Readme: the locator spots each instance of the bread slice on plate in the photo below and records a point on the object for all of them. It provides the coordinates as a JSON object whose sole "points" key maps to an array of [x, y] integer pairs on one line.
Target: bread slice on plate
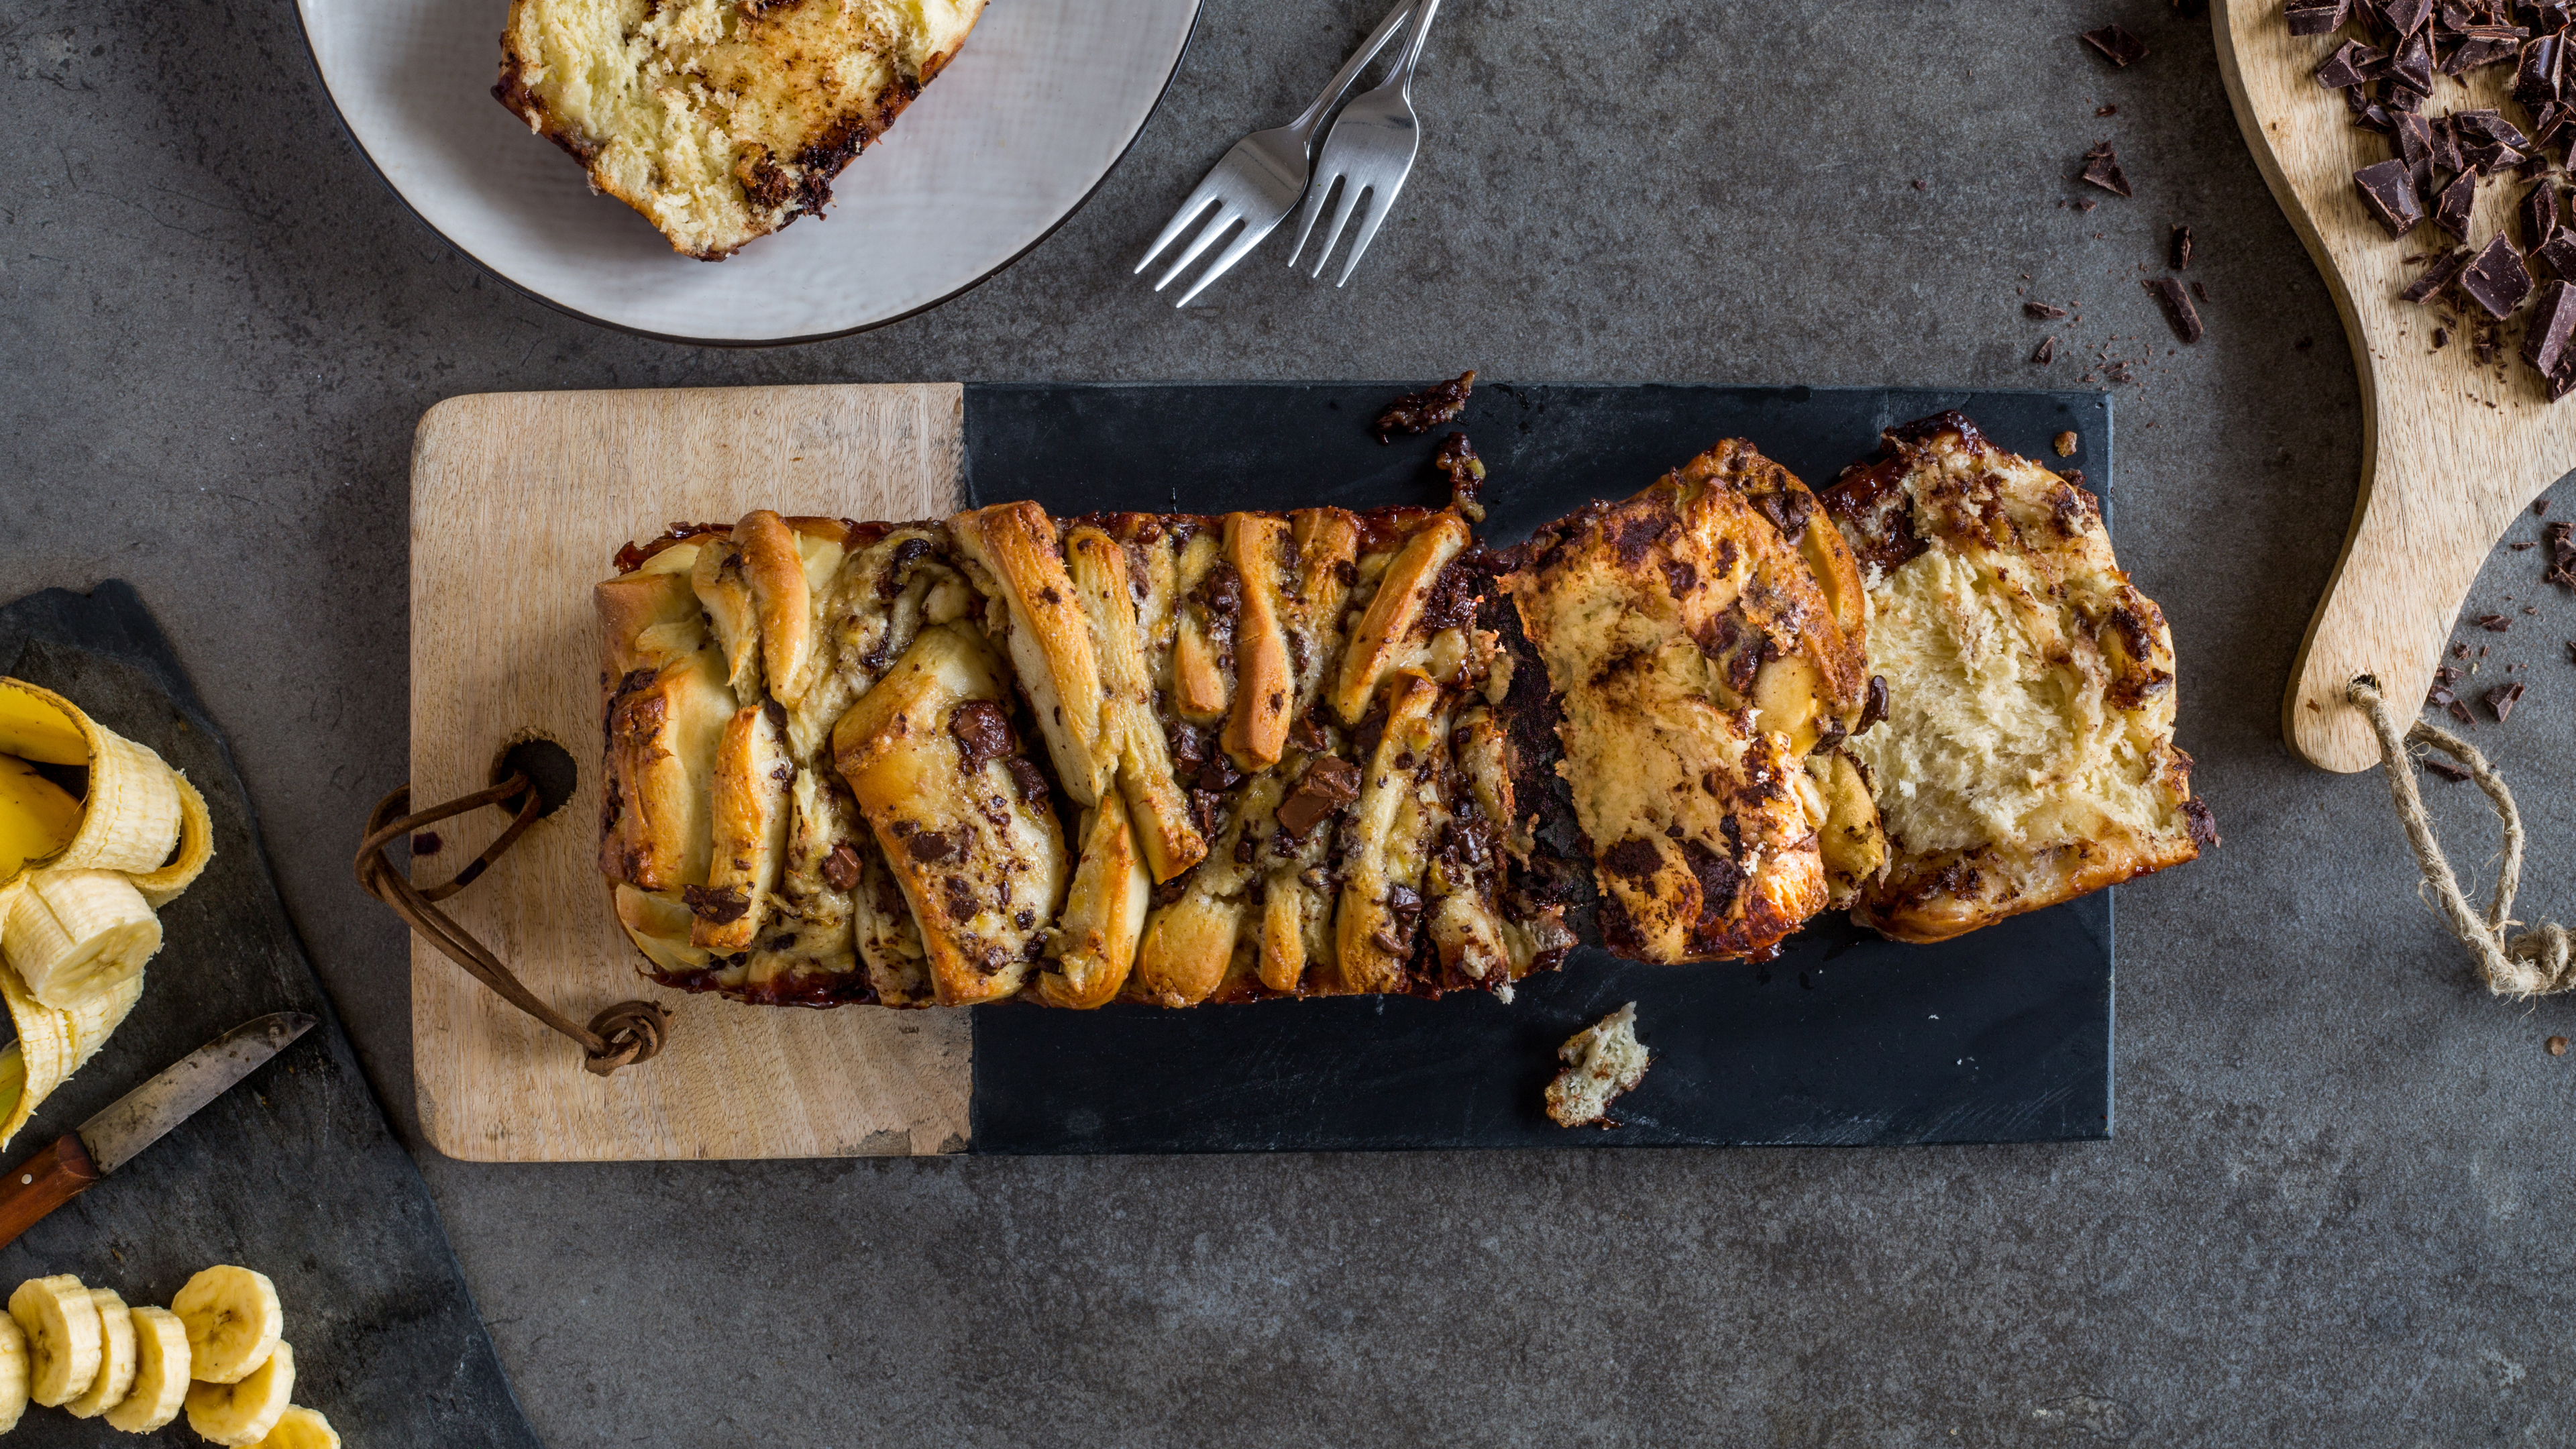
{"points": [[721, 120], [1699, 662], [2027, 755]]}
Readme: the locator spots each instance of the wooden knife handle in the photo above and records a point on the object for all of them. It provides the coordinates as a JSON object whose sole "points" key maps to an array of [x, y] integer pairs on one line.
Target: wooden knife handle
{"points": [[43, 1183]]}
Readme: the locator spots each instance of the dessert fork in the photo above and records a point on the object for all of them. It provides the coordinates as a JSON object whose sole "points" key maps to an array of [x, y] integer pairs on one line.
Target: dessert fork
{"points": [[1259, 181], [1369, 153]]}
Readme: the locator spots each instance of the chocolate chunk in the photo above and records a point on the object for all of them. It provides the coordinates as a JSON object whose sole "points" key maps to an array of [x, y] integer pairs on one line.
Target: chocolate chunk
{"points": [[2317, 17], [934, 846], [1634, 857], [2178, 244], [2553, 322], [2390, 194], [2046, 352], [983, 733], [2445, 768], [841, 868], [2438, 696], [2042, 310], [2494, 623], [2351, 64], [2446, 146], [1417, 413], [2459, 710], [2536, 82], [1873, 703], [2375, 117], [2102, 168], [1324, 786], [717, 906], [2398, 98], [2540, 216], [2451, 208], [2439, 275], [2497, 280], [2561, 383], [2441, 338], [2116, 44], [2415, 144], [2178, 308], [2489, 126], [1032, 785], [2413, 63], [2406, 16], [2501, 700]]}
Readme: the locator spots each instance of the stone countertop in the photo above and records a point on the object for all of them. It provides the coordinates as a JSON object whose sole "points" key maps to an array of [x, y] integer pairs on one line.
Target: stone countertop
{"points": [[2335, 1210]]}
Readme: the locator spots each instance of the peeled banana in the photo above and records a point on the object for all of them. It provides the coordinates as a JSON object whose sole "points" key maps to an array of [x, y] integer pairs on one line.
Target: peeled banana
{"points": [[301, 1428], [196, 847], [73, 935], [64, 1345], [53, 1044], [13, 1373], [233, 1319], [161, 1360], [116, 1357], [244, 1411]]}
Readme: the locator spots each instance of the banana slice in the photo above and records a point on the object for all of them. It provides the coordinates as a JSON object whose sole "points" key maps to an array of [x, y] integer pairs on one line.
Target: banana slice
{"points": [[161, 1359], [244, 1412], [116, 1357], [13, 1373], [233, 1321], [73, 935], [37, 817], [63, 1337], [196, 847], [130, 818], [52, 1044], [301, 1428]]}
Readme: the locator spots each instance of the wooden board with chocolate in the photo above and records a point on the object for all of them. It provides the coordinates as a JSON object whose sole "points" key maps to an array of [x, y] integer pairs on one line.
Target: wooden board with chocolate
{"points": [[1351, 723]]}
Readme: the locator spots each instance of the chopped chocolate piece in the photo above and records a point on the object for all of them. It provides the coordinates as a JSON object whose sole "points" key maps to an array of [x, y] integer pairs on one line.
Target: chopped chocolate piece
{"points": [[2539, 214], [2445, 768], [2356, 99], [2406, 16], [2446, 146], [983, 733], [2494, 623], [2459, 710], [2501, 700], [2390, 194], [2441, 338], [2413, 63], [2553, 322], [2116, 44], [2539, 506], [2490, 125], [1324, 786], [2101, 111], [2536, 81], [2317, 17], [2559, 255], [2415, 145], [1417, 413], [2102, 168], [2201, 292], [2351, 64], [2399, 98], [2451, 208], [2046, 352], [2497, 280], [841, 867], [2042, 310], [2439, 275], [2178, 247], [2561, 383], [2178, 309]]}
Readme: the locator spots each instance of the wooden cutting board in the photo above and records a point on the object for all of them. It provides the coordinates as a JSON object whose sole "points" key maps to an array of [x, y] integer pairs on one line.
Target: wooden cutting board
{"points": [[518, 502], [2451, 452]]}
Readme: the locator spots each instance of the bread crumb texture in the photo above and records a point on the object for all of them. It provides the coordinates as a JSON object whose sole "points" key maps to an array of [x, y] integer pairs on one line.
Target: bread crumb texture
{"points": [[1603, 1061], [721, 120], [2027, 756]]}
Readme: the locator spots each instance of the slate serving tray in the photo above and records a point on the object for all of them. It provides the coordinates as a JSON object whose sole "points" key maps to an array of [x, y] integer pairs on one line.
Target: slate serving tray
{"points": [[293, 1172], [1846, 1039]]}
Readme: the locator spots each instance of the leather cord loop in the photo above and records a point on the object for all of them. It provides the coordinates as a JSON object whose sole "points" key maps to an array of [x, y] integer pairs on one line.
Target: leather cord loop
{"points": [[623, 1035]]}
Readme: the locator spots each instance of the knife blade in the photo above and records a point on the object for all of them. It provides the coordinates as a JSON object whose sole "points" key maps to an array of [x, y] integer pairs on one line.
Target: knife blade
{"points": [[79, 1158]]}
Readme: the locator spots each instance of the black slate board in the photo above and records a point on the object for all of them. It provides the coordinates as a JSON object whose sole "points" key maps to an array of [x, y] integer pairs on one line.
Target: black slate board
{"points": [[1846, 1039], [293, 1172]]}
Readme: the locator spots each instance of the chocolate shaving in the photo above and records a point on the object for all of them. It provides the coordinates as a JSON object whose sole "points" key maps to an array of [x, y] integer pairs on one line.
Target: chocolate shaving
{"points": [[2178, 245], [2116, 44], [2178, 309], [2102, 168], [2042, 310], [2445, 769], [2494, 623], [2439, 275], [2046, 352]]}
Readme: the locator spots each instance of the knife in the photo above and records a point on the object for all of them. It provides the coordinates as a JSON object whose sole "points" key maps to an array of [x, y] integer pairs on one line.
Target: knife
{"points": [[108, 1141]]}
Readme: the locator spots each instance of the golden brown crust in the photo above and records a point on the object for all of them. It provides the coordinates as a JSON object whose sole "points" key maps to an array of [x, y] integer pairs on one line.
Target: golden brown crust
{"points": [[926, 755], [1012, 546], [1132, 738], [1378, 640], [2028, 756], [749, 836], [1391, 830], [1256, 732], [664, 709], [1092, 951]]}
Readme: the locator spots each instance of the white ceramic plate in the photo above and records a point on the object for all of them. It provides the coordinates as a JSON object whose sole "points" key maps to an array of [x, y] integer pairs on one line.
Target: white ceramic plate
{"points": [[999, 150]]}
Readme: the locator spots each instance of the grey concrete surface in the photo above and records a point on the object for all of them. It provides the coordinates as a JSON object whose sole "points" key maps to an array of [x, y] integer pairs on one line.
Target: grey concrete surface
{"points": [[2336, 1210]]}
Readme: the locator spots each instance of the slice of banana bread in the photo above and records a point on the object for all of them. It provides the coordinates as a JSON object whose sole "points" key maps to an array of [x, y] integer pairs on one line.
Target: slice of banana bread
{"points": [[721, 120], [2027, 757]]}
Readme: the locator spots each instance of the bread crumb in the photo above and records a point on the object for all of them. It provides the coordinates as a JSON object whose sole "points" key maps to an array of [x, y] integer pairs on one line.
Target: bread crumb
{"points": [[2066, 443], [1603, 1060]]}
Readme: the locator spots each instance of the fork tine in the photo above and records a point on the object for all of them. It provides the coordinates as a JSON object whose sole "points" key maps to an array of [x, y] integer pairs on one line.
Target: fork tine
{"points": [[1236, 250], [1215, 231], [1356, 200], [1317, 191], [1191, 210], [1380, 203]]}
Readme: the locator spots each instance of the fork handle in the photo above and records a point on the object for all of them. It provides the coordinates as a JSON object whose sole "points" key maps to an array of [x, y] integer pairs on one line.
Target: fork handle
{"points": [[1413, 43], [1312, 119]]}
